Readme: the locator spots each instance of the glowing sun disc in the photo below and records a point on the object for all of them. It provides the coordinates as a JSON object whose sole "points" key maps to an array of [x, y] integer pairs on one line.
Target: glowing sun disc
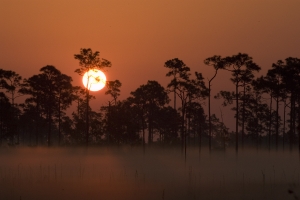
{"points": [[94, 80]]}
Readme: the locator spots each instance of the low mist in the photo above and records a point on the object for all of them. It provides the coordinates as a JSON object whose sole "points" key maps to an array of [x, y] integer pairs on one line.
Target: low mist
{"points": [[151, 173]]}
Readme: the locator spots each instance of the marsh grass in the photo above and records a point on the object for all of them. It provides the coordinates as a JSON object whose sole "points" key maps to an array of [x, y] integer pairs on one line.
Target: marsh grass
{"points": [[157, 173]]}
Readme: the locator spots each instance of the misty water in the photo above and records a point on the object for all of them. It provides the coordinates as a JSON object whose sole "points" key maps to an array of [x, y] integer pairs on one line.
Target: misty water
{"points": [[151, 173]]}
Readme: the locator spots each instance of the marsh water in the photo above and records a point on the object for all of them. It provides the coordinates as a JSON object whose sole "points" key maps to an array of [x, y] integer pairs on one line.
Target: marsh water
{"points": [[152, 173]]}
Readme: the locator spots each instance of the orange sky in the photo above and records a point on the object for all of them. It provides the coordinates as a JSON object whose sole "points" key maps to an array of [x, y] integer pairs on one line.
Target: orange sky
{"points": [[138, 36]]}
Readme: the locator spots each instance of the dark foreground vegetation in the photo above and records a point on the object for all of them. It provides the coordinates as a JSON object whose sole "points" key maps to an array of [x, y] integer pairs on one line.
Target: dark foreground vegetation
{"points": [[146, 117]]}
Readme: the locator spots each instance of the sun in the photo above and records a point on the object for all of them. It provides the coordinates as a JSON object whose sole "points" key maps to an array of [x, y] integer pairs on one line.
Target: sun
{"points": [[94, 80]]}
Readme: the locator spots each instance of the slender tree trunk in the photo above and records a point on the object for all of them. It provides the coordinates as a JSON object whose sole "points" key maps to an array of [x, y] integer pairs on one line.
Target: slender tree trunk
{"points": [[195, 131], [1, 121], [200, 138], [283, 133], [257, 125], [78, 109], [174, 98], [87, 117], [243, 117], [175, 127], [36, 131], [13, 118], [256, 134], [149, 132], [150, 125], [298, 123], [277, 121], [109, 123], [30, 142], [209, 119], [143, 127], [237, 117], [223, 131], [270, 121], [49, 128], [209, 114], [294, 120], [59, 121], [183, 136], [189, 126], [291, 121]]}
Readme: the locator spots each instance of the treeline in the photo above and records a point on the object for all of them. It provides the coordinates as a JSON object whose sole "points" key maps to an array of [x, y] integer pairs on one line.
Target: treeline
{"points": [[146, 116]]}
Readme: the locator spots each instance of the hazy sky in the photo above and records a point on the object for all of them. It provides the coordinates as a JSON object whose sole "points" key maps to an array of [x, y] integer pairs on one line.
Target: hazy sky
{"points": [[139, 36]]}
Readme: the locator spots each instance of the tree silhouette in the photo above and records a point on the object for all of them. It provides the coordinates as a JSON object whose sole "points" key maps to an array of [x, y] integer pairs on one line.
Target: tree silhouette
{"points": [[291, 82], [179, 73], [122, 123], [64, 98], [150, 98], [5, 117], [50, 92], [129, 119], [11, 82], [257, 112], [33, 104], [113, 89], [89, 60], [195, 113], [274, 85], [217, 63], [197, 91], [79, 117], [246, 80], [221, 134], [78, 94], [240, 66], [165, 124]]}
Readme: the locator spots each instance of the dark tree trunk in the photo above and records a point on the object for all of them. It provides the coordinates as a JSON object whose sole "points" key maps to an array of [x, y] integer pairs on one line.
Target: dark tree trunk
{"points": [[59, 120], [209, 119], [237, 118], [188, 131], [1, 121], [270, 121], [283, 133], [49, 129], [149, 133], [143, 127], [200, 138], [175, 127], [183, 135], [174, 99], [277, 121], [37, 124], [243, 117], [209, 113], [292, 111], [150, 124], [109, 123], [298, 123], [87, 117]]}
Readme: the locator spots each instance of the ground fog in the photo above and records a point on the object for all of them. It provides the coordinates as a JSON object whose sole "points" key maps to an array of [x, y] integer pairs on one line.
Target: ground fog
{"points": [[151, 173]]}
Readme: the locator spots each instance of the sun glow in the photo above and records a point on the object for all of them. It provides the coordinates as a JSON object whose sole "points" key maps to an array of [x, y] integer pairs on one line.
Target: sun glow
{"points": [[94, 80]]}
